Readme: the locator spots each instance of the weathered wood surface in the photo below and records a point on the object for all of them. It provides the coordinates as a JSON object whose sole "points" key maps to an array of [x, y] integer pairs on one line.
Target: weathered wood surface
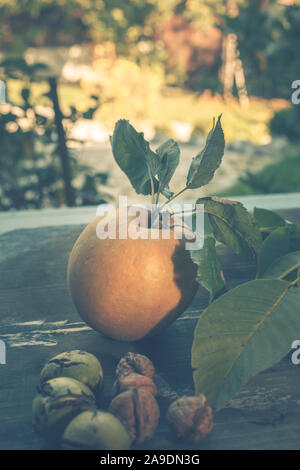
{"points": [[38, 320]]}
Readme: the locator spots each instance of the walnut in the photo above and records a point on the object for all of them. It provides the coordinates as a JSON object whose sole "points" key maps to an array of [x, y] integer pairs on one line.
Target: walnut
{"points": [[190, 418], [138, 412], [125, 382], [135, 363]]}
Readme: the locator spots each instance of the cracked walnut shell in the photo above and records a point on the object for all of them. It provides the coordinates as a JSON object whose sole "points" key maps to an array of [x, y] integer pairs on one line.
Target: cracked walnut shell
{"points": [[135, 363], [125, 382], [138, 412], [190, 418]]}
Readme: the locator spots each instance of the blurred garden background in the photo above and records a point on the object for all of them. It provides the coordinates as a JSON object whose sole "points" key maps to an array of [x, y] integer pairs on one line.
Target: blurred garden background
{"points": [[72, 68]]}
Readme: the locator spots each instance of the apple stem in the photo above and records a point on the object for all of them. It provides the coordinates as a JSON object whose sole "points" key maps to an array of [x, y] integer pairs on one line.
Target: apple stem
{"points": [[152, 185], [192, 211], [172, 198], [158, 210], [157, 195]]}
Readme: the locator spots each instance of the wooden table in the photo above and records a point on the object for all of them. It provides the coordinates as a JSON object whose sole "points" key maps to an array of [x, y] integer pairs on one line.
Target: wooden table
{"points": [[38, 321]]}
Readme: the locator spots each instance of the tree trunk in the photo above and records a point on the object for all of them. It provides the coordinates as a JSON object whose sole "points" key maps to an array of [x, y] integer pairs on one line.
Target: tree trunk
{"points": [[232, 69], [62, 146]]}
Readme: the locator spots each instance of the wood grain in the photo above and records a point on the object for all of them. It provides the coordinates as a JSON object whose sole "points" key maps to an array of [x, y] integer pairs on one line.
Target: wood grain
{"points": [[38, 320]]}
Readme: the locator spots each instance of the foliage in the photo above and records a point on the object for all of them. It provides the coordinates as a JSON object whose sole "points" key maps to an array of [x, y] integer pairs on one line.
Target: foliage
{"points": [[232, 225], [280, 242], [38, 22], [280, 177], [245, 331], [284, 266], [30, 170], [142, 165], [209, 272], [85, 20], [133, 155], [133, 29], [286, 122], [267, 35], [206, 162], [169, 155], [150, 101], [27, 177], [267, 220], [251, 327]]}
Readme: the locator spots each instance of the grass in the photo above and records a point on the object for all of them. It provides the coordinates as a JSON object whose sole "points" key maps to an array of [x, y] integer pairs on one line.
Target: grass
{"points": [[162, 108], [239, 123], [247, 123]]}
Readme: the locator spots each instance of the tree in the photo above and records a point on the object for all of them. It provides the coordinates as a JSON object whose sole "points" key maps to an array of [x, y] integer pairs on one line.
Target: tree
{"points": [[39, 23], [268, 35]]}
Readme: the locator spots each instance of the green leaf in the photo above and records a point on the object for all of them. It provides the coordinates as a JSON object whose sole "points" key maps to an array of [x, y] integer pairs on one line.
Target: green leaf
{"points": [[205, 164], [281, 241], [208, 231], [284, 266], [245, 331], [267, 220], [152, 159], [134, 156], [169, 154], [232, 225], [209, 274]]}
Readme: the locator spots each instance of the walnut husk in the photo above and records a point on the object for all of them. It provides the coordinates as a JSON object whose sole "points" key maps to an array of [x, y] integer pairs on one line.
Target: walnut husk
{"points": [[125, 382]]}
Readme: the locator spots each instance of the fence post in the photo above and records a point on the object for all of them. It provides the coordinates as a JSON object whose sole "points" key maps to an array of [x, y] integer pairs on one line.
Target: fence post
{"points": [[2, 352]]}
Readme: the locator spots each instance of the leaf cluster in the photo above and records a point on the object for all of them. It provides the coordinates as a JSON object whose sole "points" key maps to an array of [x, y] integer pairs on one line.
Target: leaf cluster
{"points": [[31, 176], [150, 172], [252, 326]]}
